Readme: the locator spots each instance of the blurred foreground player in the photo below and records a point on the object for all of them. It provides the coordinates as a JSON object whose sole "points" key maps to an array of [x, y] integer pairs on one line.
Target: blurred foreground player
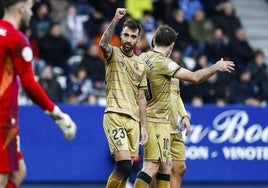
{"points": [[16, 68]]}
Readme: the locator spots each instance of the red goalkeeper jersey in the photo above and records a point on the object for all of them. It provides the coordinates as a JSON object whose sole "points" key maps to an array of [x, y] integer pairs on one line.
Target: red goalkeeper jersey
{"points": [[15, 68]]}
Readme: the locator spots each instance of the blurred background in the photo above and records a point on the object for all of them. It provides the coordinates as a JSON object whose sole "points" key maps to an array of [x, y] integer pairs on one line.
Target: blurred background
{"points": [[228, 144]]}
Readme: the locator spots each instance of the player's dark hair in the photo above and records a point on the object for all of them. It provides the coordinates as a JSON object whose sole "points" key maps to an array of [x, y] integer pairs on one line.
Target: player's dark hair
{"points": [[133, 25], [165, 35], [1, 10], [8, 3]]}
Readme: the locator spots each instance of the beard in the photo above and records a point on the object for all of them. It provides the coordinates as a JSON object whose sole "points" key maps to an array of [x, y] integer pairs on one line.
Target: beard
{"points": [[127, 47]]}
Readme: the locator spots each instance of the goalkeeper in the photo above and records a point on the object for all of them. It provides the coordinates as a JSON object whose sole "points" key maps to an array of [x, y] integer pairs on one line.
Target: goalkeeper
{"points": [[15, 69]]}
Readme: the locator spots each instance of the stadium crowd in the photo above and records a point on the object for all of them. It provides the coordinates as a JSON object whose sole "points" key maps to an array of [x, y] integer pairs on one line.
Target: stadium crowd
{"points": [[68, 63]]}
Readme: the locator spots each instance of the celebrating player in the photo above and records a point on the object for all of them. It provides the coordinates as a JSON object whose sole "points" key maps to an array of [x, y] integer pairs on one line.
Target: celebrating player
{"points": [[126, 103]]}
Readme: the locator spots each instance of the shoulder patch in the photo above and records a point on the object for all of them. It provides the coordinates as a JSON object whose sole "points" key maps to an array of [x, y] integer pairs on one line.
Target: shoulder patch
{"points": [[172, 66], [27, 54]]}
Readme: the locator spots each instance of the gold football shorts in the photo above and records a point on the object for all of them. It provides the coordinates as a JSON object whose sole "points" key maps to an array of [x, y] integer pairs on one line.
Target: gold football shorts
{"points": [[177, 147], [122, 132], [158, 146]]}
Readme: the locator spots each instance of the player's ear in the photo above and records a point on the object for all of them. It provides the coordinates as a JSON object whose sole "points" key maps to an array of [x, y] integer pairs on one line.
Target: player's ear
{"points": [[21, 8], [139, 38], [171, 46]]}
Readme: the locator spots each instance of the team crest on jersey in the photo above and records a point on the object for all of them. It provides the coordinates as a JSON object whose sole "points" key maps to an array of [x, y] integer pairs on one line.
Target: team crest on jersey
{"points": [[27, 54], [119, 143], [172, 66], [136, 66]]}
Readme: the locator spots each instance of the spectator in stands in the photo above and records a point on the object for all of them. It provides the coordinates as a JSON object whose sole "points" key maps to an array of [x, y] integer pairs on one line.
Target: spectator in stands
{"points": [[201, 62], [115, 39], [94, 65], [211, 92], [74, 29], [109, 7], [201, 31], [149, 25], [213, 8], [50, 84], [58, 10], [243, 90], [178, 22], [228, 21], [79, 85], [82, 6], [72, 99], [162, 9], [258, 69], [136, 8], [176, 56], [217, 47], [93, 25], [240, 50], [55, 49], [190, 7], [99, 90], [186, 87], [197, 91], [92, 99], [40, 21]]}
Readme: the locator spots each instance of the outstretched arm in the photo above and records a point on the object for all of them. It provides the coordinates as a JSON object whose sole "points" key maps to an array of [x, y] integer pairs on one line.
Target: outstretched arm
{"points": [[203, 74], [107, 35]]}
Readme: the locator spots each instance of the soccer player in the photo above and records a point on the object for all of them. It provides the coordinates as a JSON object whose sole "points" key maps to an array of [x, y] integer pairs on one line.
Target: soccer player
{"points": [[180, 121], [125, 113], [15, 69], [160, 71]]}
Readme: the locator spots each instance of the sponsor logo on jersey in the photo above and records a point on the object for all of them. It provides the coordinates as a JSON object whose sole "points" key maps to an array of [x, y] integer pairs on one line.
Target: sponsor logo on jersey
{"points": [[172, 66], [27, 54], [3, 32]]}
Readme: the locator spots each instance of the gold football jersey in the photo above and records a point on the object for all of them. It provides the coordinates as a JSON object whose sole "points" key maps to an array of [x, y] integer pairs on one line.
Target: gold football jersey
{"points": [[160, 69], [124, 76]]}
